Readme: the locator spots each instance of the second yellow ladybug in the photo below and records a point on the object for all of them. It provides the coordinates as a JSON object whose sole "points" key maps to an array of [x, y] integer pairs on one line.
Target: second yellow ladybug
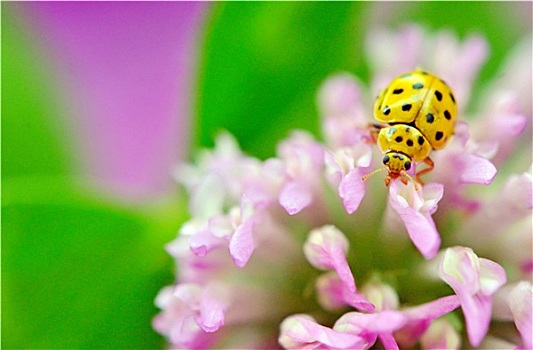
{"points": [[419, 110]]}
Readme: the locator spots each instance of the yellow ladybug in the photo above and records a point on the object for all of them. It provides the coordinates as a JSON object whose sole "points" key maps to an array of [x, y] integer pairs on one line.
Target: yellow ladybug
{"points": [[420, 110]]}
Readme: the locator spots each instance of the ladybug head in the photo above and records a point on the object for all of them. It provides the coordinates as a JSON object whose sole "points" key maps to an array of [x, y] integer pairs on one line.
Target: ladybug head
{"points": [[397, 165]]}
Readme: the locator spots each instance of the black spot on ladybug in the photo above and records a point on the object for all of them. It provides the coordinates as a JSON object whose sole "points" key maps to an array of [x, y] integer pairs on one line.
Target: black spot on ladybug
{"points": [[447, 115], [430, 118], [397, 91], [438, 95], [439, 135], [418, 86], [407, 129], [386, 159], [420, 140], [386, 111], [424, 73], [407, 165], [398, 139], [406, 107], [453, 98], [410, 143]]}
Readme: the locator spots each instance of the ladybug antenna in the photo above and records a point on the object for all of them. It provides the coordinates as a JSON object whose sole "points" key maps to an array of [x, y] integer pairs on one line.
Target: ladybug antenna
{"points": [[373, 172]]}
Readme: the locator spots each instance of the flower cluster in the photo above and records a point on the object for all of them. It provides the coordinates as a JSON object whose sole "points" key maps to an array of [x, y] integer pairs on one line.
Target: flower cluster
{"points": [[298, 251]]}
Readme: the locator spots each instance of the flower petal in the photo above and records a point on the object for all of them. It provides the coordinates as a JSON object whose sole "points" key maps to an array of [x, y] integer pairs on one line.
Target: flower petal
{"points": [[213, 305], [420, 227], [492, 276], [333, 294], [520, 301], [377, 323], [352, 189], [295, 196], [421, 317], [434, 309], [461, 269], [326, 249], [388, 341], [302, 332], [339, 95], [242, 244], [475, 169]]}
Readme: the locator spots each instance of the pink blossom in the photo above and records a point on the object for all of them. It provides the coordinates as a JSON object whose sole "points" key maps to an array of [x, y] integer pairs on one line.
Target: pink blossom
{"points": [[302, 332], [474, 280], [326, 249], [190, 309], [304, 159], [345, 168], [514, 303], [415, 208], [334, 294], [288, 237], [520, 302], [341, 103]]}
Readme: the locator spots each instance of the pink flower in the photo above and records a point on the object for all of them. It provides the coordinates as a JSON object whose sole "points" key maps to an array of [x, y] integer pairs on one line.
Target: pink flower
{"points": [[415, 208], [514, 303], [474, 280], [304, 159], [285, 240], [326, 249]]}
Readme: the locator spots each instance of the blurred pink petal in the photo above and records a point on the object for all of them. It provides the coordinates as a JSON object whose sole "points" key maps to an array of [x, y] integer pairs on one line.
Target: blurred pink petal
{"points": [[213, 305], [475, 169], [127, 83], [520, 302], [242, 244], [295, 196]]}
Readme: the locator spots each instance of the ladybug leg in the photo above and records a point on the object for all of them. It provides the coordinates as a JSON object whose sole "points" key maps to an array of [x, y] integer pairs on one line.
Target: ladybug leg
{"points": [[430, 165], [374, 130]]}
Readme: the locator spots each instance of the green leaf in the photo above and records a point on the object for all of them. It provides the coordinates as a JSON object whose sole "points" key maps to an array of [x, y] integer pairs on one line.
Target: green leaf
{"points": [[77, 272], [32, 137], [262, 64]]}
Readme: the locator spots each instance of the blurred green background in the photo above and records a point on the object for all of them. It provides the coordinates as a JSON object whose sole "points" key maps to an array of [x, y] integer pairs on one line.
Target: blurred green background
{"points": [[80, 269]]}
